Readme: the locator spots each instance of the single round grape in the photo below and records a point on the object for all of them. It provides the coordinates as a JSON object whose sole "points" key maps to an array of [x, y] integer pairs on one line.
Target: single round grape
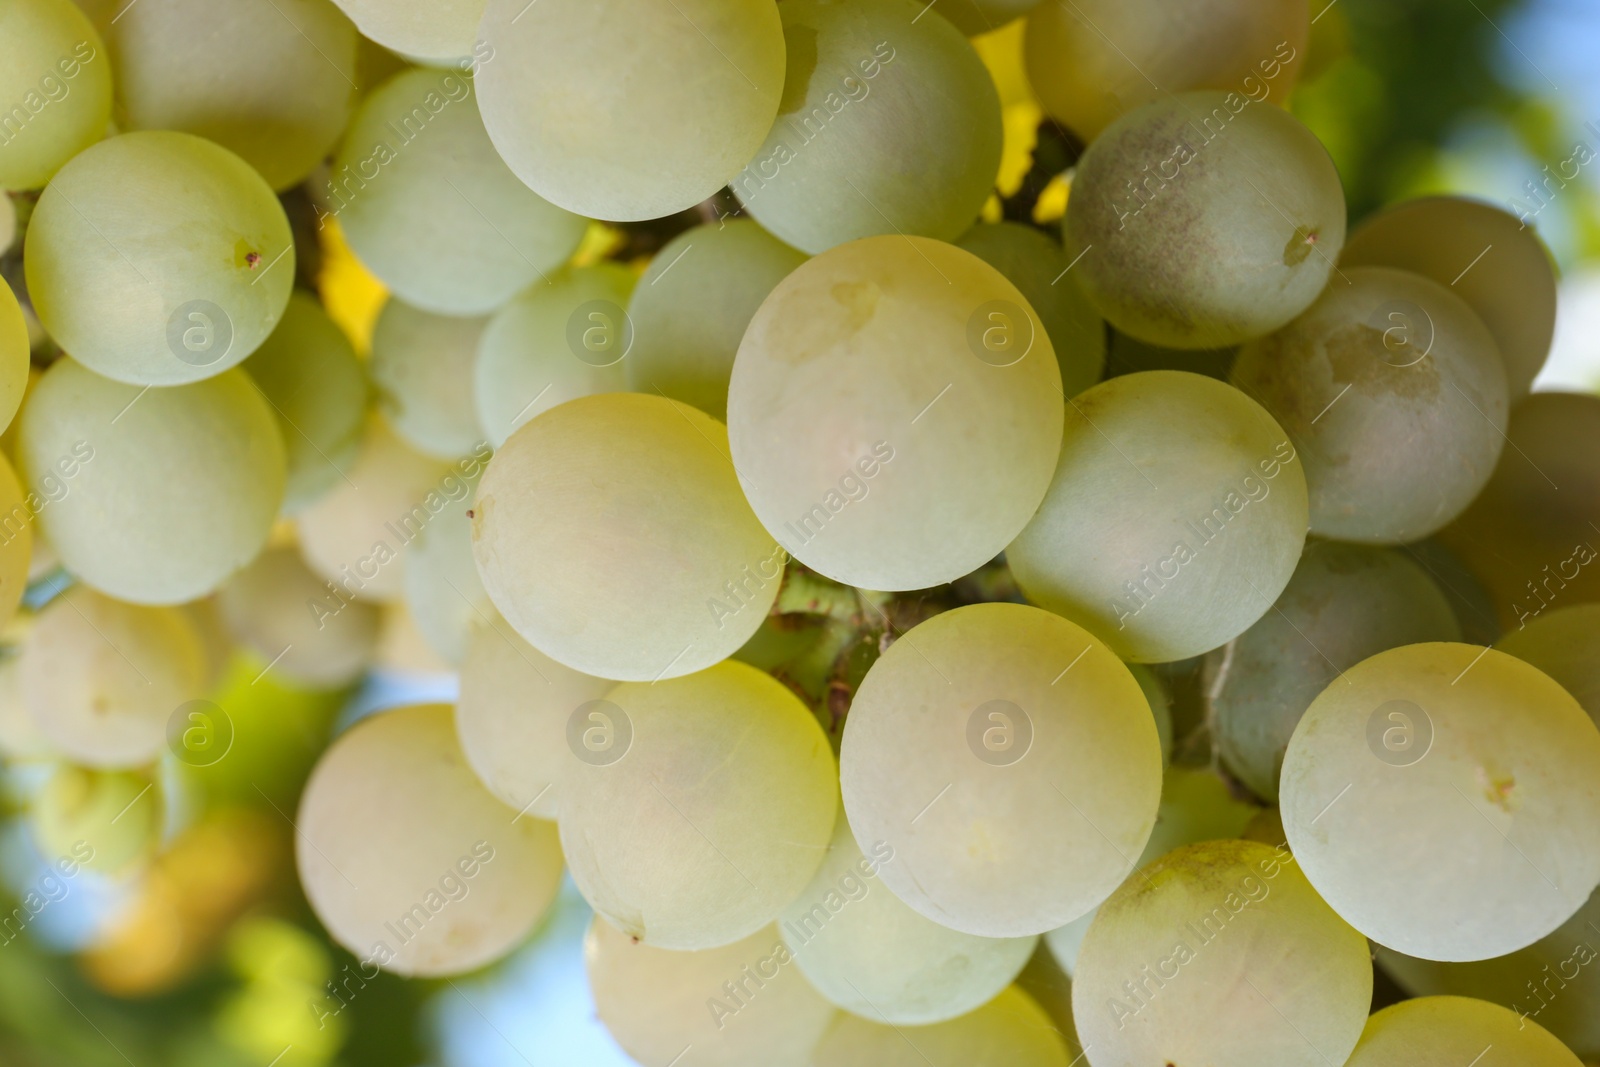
{"points": [[149, 286], [286, 615], [1009, 1031], [428, 205], [1209, 521], [619, 147], [422, 367], [108, 821], [17, 514], [55, 81], [889, 124], [849, 448], [692, 306], [168, 491], [309, 373], [421, 29], [1446, 1031], [442, 586], [611, 534], [973, 17], [1470, 750], [1204, 220], [14, 348], [1221, 952], [272, 80], [982, 712], [1092, 61], [553, 343], [1487, 257], [1344, 604], [101, 677], [1038, 267], [732, 1006], [407, 859], [1564, 644]]}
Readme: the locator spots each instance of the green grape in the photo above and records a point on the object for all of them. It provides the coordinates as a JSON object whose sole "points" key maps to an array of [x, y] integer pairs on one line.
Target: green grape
{"points": [[1565, 645], [442, 586], [1092, 61], [692, 306], [271, 80], [720, 1007], [309, 373], [512, 715], [1129, 355], [150, 287], [1344, 603], [106, 820], [17, 513], [973, 17], [101, 677], [634, 555], [551, 344], [408, 861], [619, 147], [1005, 708], [166, 491], [55, 82], [14, 349], [429, 206], [1204, 221], [421, 29], [1466, 748], [283, 613], [1208, 527], [1220, 952], [1009, 1031], [1155, 691], [847, 445], [1038, 268], [871, 954], [1447, 1031], [889, 124], [1490, 259], [21, 740], [422, 366]]}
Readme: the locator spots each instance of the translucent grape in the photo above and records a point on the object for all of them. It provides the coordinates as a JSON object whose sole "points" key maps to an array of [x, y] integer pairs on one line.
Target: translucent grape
{"points": [[634, 556], [619, 148], [973, 17], [846, 443], [1204, 221], [1208, 527], [981, 712], [55, 82], [285, 614], [889, 124], [164, 492], [1472, 750], [104, 820], [1009, 1031], [1444, 1031], [422, 366], [407, 859], [152, 288], [442, 586], [429, 206], [13, 352], [421, 29]]}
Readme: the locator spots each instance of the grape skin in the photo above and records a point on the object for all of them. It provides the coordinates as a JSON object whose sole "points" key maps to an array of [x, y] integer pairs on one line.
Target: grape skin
{"points": [[1009, 1031], [276, 607], [1444, 1031], [46, 44], [422, 367]]}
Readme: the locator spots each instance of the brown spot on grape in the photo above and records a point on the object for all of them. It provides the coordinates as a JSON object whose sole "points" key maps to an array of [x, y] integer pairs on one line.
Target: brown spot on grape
{"points": [[471, 514], [1300, 245], [251, 259]]}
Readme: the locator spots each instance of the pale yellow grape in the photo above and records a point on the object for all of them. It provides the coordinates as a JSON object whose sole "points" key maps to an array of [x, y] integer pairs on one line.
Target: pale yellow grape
{"points": [[982, 712], [287, 616], [272, 80], [1204, 220], [715, 816], [423, 29], [148, 286], [169, 490], [1487, 257], [14, 349], [1564, 644], [731, 1006], [889, 124], [442, 586], [309, 373], [55, 81], [1446, 1031], [894, 412], [106, 820], [692, 306], [1467, 748], [408, 861], [431, 209], [1091, 61], [20, 737], [701, 89], [1220, 952], [973, 17], [1009, 1031], [555, 342], [101, 677], [422, 366], [17, 513], [1208, 523], [611, 534], [511, 716]]}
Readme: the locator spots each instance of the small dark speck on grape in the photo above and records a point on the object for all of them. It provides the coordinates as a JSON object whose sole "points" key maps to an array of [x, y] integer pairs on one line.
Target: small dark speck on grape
{"points": [[471, 514], [251, 259]]}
